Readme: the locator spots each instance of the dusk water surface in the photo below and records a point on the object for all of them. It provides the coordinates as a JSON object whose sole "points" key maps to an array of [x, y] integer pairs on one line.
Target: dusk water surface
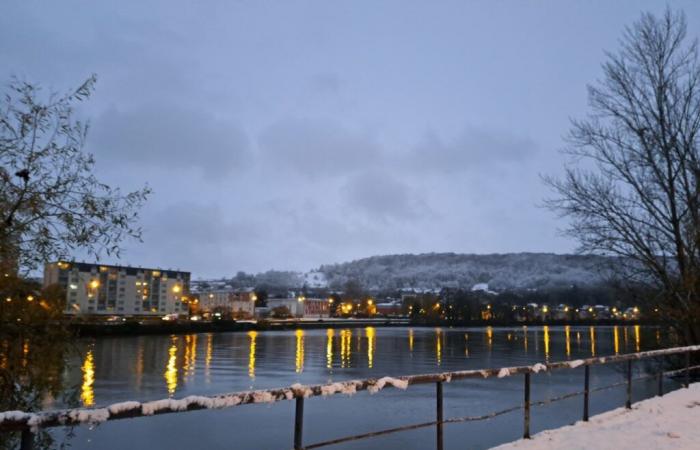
{"points": [[152, 367]]}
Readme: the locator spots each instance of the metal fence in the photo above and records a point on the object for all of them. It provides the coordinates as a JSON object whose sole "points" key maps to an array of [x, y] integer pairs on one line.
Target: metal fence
{"points": [[29, 423]]}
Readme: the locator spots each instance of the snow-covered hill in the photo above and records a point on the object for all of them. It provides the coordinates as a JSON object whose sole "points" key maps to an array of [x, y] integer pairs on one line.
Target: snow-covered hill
{"points": [[499, 271]]}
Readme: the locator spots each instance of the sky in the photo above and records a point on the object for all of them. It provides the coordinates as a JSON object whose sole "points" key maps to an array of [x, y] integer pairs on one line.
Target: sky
{"points": [[289, 134]]}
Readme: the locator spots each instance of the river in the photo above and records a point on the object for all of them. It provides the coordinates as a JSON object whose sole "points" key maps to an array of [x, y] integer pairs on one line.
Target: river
{"points": [[108, 370]]}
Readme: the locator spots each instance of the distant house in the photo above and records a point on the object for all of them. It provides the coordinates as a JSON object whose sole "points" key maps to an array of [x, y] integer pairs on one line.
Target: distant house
{"points": [[238, 302], [302, 306], [394, 308]]}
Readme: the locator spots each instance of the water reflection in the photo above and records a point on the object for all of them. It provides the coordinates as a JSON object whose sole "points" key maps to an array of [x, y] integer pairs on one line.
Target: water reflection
{"points": [[25, 352], [251, 353], [438, 346], [87, 393], [330, 333], [138, 369], [207, 358], [299, 356], [190, 355], [180, 365], [345, 342], [371, 341], [170, 374]]}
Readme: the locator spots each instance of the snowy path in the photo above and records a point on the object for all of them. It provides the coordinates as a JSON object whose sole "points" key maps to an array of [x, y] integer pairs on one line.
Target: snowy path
{"points": [[669, 422]]}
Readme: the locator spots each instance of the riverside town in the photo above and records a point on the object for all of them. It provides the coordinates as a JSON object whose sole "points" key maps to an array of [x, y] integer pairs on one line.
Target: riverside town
{"points": [[394, 225]]}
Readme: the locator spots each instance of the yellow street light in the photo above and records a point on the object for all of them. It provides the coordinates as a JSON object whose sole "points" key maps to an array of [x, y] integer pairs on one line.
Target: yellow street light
{"points": [[30, 298], [94, 284], [177, 288]]}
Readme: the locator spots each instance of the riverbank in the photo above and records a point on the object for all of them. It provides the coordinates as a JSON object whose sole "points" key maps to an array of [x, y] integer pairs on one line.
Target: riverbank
{"points": [[668, 422], [155, 327], [186, 327]]}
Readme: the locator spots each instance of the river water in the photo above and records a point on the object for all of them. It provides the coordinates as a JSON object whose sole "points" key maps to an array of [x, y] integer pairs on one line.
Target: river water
{"points": [[108, 370]]}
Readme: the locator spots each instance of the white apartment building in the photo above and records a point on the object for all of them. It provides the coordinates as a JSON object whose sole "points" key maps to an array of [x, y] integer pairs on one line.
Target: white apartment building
{"points": [[118, 290]]}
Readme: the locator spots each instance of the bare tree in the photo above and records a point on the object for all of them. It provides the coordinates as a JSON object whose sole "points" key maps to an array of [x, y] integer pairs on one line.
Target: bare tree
{"points": [[634, 190], [50, 201]]}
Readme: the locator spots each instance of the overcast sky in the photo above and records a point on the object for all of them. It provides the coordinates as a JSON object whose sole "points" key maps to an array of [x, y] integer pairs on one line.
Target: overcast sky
{"points": [[291, 134]]}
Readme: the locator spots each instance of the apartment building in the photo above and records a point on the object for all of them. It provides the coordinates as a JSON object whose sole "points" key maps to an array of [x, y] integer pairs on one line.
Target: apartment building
{"points": [[119, 290]]}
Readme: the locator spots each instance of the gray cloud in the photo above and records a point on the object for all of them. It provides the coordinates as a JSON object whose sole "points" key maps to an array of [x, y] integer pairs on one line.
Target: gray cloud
{"points": [[382, 196], [472, 150], [168, 136], [295, 136], [317, 147]]}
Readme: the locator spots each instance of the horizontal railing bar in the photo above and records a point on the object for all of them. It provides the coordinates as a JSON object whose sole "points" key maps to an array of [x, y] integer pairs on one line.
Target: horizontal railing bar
{"points": [[482, 417], [17, 420]]}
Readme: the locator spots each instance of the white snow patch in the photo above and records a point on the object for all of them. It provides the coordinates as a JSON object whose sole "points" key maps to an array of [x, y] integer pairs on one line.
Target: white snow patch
{"points": [[331, 389], [576, 363], [668, 422], [380, 383], [504, 372], [539, 367], [91, 416], [117, 408], [302, 390], [264, 397]]}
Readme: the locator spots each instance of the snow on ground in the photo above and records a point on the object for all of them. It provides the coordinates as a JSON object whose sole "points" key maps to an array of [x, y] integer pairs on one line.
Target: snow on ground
{"points": [[668, 422]]}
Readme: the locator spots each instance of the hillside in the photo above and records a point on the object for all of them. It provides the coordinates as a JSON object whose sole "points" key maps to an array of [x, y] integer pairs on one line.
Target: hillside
{"points": [[500, 271]]}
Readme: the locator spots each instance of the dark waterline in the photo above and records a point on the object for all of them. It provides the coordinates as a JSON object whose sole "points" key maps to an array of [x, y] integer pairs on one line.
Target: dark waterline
{"points": [[151, 367]]}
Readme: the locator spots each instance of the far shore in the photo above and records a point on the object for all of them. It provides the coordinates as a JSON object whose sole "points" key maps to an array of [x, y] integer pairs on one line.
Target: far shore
{"points": [[186, 327]]}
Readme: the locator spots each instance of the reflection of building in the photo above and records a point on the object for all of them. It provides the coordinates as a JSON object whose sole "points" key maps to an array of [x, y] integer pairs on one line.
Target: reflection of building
{"points": [[239, 302], [119, 290]]}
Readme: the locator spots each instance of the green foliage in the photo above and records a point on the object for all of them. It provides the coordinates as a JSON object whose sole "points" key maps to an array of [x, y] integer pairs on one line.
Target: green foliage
{"points": [[51, 203]]}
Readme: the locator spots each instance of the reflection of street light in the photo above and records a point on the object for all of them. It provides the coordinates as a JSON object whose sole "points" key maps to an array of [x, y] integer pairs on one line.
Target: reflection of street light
{"points": [[369, 302]]}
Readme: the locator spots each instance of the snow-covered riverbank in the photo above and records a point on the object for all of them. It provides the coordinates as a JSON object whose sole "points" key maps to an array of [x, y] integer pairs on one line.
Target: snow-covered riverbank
{"points": [[668, 422]]}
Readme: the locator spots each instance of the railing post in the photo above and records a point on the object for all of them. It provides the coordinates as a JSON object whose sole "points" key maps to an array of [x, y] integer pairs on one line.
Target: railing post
{"points": [[660, 388], [298, 423], [526, 430], [687, 369], [439, 417], [586, 391], [27, 442], [628, 403]]}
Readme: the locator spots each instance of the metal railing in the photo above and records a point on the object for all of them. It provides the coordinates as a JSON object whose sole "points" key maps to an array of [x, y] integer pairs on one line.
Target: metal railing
{"points": [[29, 423]]}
